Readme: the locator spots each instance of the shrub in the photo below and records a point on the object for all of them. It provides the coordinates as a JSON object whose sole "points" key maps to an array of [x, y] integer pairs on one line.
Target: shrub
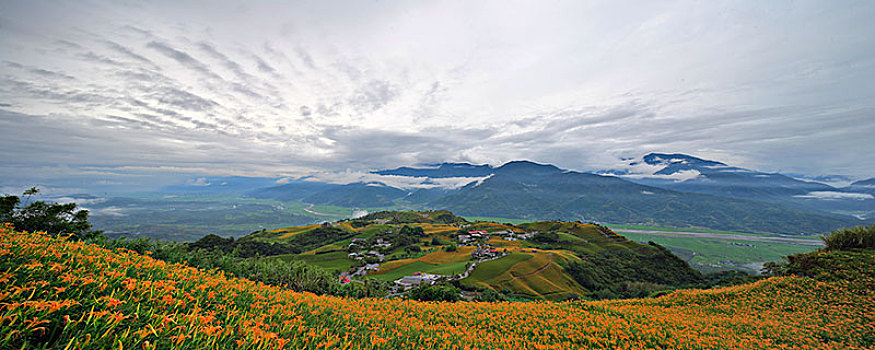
{"points": [[860, 237], [435, 293]]}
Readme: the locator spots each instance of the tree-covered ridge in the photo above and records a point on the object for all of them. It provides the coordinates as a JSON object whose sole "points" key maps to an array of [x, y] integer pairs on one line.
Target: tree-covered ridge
{"points": [[60, 293], [408, 217]]}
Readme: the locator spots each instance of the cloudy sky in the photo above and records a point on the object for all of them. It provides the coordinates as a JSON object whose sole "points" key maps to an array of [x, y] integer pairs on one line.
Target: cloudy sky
{"points": [[121, 92]]}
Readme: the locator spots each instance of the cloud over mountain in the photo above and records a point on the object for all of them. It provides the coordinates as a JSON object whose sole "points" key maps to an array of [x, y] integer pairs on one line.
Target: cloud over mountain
{"points": [[268, 88]]}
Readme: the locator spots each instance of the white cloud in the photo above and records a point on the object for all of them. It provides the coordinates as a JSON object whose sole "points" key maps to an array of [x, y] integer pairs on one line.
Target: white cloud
{"points": [[403, 182], [832, 195], [287, 89]]}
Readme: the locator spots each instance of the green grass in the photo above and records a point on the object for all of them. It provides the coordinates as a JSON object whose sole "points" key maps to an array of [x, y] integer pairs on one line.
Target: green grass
{"points": [[406, 270], [710, 254], [490, 269], [571, 238], [617, 227]]}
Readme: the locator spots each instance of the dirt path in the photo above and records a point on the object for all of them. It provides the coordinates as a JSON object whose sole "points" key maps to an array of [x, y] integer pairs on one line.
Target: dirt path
{"points": [[764, 239], [538, 270]]}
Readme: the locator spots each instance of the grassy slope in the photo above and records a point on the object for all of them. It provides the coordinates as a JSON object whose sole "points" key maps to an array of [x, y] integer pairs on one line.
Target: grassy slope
{"points": [[60, 294], [551, 281]]}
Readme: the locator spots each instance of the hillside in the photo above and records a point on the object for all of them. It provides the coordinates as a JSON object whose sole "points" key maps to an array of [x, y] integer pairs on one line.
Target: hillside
{"points": [[542, 260], [685, 173], [59, 293], [533, 191]]}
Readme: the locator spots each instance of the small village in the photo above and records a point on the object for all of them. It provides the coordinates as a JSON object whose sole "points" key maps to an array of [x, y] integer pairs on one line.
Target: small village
{"points": [[373, 252]]}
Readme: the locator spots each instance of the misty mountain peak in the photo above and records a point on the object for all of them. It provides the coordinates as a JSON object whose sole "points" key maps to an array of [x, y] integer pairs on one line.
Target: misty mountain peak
{"points": [[524, 167], [678, 158]]}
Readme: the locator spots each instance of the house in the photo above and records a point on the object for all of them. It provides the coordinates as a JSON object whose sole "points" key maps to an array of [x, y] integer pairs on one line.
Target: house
{"points": [[375, 267], [381, 243], [416, 280], [344, 280], [376, 254], [478, 232], [359, 240], [484, 253], [463, 238]]}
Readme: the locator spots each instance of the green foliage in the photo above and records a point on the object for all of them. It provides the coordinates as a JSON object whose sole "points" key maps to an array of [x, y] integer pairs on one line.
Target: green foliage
{"points": [[636, 272], [412, 231], [860, 237], [52, 218], [320, 236], [410, 217], [451, 248], [856, 267], [435, 293], [489, 295], [244, 248], [546, 237]]}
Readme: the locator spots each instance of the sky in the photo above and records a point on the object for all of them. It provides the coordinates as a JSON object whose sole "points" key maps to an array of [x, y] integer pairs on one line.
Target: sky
{"points": [[145, 93]]}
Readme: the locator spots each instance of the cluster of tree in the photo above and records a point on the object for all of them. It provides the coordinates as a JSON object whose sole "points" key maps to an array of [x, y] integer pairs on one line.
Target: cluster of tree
{"points": [[52, 218], [860, 237], [546, 237], [609, 273], [245, 248], [441, 292], [411, 217], [295, 275], [406, 238]]}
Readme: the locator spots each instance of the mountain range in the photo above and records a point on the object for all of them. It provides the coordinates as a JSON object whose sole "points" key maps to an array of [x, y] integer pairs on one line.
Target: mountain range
{"points": [[662, 189]]}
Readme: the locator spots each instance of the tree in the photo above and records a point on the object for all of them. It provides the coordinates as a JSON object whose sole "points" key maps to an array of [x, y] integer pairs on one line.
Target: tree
{"points": [[52, 218], [435, 293]]}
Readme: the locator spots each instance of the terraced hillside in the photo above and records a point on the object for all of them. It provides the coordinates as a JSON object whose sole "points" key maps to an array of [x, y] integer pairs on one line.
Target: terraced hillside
{"points": [[63, 294], [552, 260]]}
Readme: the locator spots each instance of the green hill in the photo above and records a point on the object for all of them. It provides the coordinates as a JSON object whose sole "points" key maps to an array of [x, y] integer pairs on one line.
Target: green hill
{"points": [[542, 260]]}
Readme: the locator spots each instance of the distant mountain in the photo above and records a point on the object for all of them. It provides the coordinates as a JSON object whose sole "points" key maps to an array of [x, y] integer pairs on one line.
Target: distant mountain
{"points": [[684, 173], [442, 170], [358, 195], [864, 186], [292, 191], [715, 196], [534, 191], [220, 184], [719, 179]]}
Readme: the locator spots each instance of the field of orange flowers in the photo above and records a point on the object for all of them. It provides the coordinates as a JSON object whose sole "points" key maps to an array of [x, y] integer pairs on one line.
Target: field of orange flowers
{"points": [[56, 293]]}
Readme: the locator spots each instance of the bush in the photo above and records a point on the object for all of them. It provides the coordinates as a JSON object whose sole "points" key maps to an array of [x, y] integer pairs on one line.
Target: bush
{"points": [[546, 237], [451, 248], [435, 293], [860, 237]]}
